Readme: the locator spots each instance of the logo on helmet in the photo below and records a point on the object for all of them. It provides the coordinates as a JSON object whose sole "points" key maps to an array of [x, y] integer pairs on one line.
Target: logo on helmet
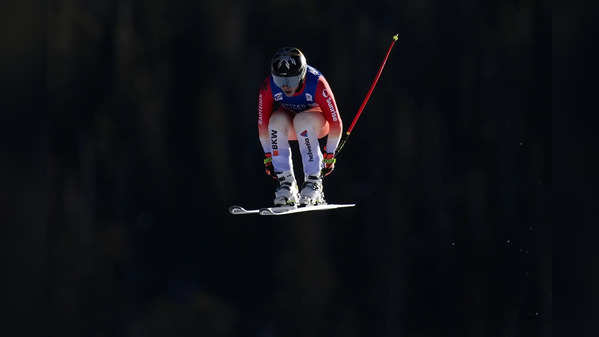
{"points": [[287, 60], [308, 97], [279, 96]]}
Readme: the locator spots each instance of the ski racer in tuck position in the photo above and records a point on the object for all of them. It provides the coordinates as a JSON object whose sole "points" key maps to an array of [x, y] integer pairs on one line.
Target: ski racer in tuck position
{"points": [[295, 102]]}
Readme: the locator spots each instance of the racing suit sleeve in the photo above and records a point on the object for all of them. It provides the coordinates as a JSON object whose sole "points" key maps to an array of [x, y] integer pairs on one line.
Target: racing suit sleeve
{"points": [[265, 106], [326, 101]]}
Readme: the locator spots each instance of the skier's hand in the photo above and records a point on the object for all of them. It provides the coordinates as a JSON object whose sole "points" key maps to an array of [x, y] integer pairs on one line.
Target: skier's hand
{"points": [[329, 163], [270, 170]]}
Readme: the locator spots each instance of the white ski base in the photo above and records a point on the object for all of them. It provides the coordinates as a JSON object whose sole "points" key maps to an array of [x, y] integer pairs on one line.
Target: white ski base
{"points": [[292, 209], [282, 210]]}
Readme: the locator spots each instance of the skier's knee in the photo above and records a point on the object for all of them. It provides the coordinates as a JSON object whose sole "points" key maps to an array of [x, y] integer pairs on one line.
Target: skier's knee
{"points": [[279, 121], [304, 121]]}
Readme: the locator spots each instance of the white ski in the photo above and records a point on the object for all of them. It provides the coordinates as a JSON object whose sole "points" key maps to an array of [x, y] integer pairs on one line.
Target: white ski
{"points": [[292, 209], [282, 210], [236, 210]]}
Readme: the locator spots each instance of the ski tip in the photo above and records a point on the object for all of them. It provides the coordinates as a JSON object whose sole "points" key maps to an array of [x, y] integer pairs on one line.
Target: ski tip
{"points": [[235, 209], [238, 210]]}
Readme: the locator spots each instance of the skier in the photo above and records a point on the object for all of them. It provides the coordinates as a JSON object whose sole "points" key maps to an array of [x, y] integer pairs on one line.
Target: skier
{"points": [[295, 102]]}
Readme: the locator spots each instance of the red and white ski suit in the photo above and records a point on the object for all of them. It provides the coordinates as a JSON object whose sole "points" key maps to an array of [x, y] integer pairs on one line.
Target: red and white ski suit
{"points": [[309, 114]]}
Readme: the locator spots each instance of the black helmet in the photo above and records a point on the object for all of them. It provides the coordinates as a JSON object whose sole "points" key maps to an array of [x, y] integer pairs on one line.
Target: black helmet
{"points": [[288, 67]]}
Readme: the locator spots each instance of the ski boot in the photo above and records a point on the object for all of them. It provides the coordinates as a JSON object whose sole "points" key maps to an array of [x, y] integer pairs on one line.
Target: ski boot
{"points": [[286, 193], [312, 193]]}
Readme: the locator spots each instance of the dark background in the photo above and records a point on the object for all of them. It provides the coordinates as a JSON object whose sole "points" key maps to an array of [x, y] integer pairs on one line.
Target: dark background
{"points": [[129, 127]]}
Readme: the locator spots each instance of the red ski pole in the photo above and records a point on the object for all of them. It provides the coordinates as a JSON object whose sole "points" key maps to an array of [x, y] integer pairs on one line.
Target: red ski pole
{"points": [[376, 79]]}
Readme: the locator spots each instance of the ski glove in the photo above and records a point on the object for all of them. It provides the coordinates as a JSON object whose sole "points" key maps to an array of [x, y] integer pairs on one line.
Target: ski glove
{"points": [[329, 163], [270, 170]]}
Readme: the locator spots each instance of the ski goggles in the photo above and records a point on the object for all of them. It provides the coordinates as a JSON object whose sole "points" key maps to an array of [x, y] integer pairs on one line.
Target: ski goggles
{"points": [[290, 81]]}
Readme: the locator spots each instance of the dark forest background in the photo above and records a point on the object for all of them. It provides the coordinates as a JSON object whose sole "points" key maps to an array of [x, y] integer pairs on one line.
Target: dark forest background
{"points": [[129, 127]]}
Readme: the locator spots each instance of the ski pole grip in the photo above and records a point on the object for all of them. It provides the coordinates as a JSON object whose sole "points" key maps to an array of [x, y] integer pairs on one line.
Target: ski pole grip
{"points": [[341, 144]]}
